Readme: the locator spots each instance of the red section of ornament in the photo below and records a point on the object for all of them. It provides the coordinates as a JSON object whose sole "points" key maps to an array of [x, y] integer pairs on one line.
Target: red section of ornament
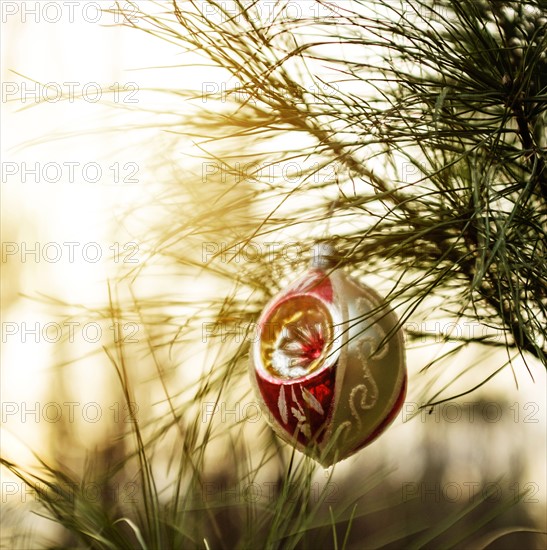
{"points": [[302, 408]]}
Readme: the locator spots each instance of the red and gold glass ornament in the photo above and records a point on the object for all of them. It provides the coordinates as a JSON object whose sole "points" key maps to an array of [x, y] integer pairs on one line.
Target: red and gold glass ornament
{"points": [[329, 363]]}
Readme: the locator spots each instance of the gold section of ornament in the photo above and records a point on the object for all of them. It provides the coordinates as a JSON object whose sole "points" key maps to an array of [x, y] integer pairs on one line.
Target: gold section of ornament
{"points": [[297, 337]]}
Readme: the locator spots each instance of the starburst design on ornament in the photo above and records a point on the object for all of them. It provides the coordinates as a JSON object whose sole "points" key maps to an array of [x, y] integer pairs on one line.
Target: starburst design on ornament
{"points": [[300, 339], [299, 346]]}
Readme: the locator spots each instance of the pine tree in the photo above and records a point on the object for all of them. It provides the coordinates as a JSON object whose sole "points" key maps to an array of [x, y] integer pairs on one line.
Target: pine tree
{"points": [[413, 136]]}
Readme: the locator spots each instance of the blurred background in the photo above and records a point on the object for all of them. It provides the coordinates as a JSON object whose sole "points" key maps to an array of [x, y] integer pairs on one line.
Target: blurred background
{"points": [[85, 179]]}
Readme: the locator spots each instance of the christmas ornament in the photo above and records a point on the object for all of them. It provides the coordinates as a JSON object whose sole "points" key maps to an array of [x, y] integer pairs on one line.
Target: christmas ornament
{"points": [[328, 365]]}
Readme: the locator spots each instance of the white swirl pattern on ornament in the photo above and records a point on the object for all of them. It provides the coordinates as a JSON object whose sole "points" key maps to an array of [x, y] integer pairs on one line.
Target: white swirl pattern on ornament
{"points": [[367, 345]]}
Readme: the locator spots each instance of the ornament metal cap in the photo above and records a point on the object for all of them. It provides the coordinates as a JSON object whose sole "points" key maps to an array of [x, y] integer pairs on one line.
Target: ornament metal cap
{"points": [[324, 256]]}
